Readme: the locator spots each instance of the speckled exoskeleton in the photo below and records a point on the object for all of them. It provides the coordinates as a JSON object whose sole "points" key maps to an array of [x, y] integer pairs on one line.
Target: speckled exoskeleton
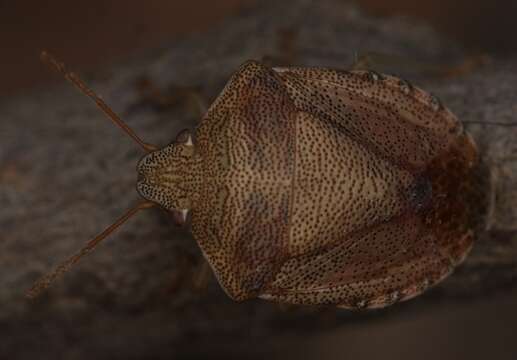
{"points": [[317, 186]]}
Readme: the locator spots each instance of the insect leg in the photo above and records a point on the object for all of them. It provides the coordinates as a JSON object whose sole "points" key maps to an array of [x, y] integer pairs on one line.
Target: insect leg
{"points": [[202, 275], [286, 52], [381, 61], [164, 99]]}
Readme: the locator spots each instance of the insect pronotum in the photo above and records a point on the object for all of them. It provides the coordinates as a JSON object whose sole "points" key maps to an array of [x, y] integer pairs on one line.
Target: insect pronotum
{"points": [[314, 186]]}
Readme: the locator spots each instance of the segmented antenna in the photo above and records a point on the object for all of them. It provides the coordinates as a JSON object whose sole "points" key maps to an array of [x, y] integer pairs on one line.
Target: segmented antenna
{"points": [[46, 280], [79, 84], [495, 123]]}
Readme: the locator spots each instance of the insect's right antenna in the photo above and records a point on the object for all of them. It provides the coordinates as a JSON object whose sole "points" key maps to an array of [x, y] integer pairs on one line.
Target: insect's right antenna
{"points": [[78, 83], [495, 123], [46, 280]]}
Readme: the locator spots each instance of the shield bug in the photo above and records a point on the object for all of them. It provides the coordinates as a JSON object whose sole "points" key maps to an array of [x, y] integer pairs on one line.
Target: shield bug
{"points": [[315, 186]]}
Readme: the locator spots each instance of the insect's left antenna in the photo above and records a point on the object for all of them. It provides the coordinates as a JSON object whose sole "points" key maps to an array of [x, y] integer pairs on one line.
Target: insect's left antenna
{"points": [[79, 84], [46, 280]]}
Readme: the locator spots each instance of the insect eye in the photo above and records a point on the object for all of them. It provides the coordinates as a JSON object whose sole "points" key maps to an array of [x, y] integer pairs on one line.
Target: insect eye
{"points": [[183, 137]]}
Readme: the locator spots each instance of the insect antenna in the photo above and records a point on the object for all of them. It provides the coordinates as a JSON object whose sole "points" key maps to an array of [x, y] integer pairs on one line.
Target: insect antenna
{"points": [[79, 84], [47, 279], [495, 123]]}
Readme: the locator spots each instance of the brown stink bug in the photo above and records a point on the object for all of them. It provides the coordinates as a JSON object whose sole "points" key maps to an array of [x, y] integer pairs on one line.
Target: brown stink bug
{"points": [[315, 186]]}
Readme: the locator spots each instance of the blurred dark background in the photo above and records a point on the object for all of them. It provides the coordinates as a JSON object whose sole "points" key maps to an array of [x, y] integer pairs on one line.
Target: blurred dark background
{"points": [[96, 33], [88, 34]]}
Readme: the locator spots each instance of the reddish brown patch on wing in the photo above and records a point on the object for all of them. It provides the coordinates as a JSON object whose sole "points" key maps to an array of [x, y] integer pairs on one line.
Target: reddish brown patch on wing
{"points": [[395, 259]]}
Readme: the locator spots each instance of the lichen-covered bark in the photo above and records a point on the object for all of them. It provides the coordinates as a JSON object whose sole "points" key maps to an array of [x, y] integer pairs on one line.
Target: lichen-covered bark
{"points": [[66, 173]]}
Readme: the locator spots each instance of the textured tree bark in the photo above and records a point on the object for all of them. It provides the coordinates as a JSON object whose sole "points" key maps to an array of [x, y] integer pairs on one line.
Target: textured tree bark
{"points": [[66, 174]]}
